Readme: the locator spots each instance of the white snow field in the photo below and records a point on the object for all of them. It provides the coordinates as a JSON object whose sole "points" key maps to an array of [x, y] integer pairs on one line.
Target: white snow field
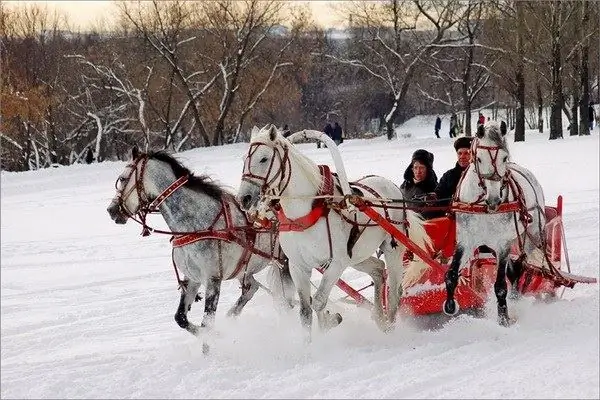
{"points": [[87, 306]]}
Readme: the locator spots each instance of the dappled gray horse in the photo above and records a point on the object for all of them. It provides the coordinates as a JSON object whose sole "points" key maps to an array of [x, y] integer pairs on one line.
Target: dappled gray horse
{"points": [[213, 239]]}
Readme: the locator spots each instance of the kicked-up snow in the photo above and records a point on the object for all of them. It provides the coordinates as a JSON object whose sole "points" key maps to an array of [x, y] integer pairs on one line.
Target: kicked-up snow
{"points": [[87, 306]]}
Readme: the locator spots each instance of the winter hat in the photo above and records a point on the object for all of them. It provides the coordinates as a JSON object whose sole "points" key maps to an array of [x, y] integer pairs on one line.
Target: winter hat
{"points": [[463, 142], [423, 156]]}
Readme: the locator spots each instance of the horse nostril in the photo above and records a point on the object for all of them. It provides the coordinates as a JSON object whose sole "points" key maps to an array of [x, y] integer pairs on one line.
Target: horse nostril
{"points": [[246, 200]]}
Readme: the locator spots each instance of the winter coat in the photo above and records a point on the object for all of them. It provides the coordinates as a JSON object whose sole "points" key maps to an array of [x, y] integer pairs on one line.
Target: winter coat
{"points": [[328, 130], [438, 124], [448, 184], [337, 133], [417, 191]]}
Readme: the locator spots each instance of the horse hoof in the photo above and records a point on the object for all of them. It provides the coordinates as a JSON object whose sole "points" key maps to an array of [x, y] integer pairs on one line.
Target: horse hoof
{"points": [[317, 304], [514, 294], [338, 318], [451, 308], [505, 321]]}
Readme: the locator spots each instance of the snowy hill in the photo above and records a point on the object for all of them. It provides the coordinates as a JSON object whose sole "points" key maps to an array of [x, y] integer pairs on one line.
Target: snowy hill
{"points": [[87, 306]]}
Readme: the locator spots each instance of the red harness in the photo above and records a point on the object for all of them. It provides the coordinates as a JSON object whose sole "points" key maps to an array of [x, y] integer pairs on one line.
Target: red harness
{"points": [[318, 210], [244, 235], [230, 233]]}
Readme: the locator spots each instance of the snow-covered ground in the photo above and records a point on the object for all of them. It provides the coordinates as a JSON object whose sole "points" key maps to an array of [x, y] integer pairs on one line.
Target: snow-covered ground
{"points": [[87, 306]]}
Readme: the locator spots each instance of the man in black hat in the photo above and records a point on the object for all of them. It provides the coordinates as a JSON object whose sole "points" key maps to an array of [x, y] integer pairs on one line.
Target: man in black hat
{"points": [[449, 181]]}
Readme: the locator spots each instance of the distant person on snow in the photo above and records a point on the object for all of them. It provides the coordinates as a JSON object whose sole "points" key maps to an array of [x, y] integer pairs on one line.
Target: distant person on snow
{"points": [[337, 134], [438, 126], [453, 125], [328, 130], [481, 120]]}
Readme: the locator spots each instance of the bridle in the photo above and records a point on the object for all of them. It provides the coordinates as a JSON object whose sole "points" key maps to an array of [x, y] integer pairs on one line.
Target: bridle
{"points": [[266, 184], [493, 152], [137, 169]]}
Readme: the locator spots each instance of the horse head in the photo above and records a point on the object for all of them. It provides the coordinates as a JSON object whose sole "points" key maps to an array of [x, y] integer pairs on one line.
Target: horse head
{"points": [[266, 166], [491, 158]]}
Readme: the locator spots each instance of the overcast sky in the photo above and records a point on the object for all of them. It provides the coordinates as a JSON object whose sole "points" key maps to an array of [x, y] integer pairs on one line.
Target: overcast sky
{"points": [[86, 13]]}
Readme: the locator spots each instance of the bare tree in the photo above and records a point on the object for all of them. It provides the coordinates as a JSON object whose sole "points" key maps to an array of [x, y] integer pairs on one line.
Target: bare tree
{"points": [[392, 46]]}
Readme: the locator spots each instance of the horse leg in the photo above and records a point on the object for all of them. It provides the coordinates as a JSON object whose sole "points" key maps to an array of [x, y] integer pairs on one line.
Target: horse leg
{"points": [[282, 286], [332, 273], [301, 279], [451, 280], [189, 292], [375, 268], [500, 288], [514, 270], [395, 274], [287, 284], [213, 290], [249, 288]]}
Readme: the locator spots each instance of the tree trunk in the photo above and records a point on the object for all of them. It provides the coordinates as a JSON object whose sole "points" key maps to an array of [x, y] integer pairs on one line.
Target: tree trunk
{"points": [[574, 126], [520, 109], [520, 79], [584, 101], [540, 101], [557, 97]]}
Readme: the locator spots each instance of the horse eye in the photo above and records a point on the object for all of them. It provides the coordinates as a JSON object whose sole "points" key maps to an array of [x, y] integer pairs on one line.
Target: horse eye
{"points": [[479, 160], [505, 159], [263, 160], [122, 179]]}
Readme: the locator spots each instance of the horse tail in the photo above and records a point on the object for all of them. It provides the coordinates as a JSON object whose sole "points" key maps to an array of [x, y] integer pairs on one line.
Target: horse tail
{"points": [[281, 286], [417, 233]]}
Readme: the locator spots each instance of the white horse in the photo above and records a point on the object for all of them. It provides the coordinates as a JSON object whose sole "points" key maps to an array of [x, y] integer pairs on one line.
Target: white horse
{"points": [[496, 202], [312, 236], [213, 240]]}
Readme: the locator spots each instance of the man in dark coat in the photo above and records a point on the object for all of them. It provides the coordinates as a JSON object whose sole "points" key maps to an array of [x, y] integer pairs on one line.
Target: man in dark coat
{"points": [[337, 134], [449, 181], [438, 126], [420, 180], [328, 130]]}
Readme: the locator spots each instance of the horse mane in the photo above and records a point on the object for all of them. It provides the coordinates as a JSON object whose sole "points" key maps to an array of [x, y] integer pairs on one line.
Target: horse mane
{"points": [[306, 164], [200, 183], [493, 133]]}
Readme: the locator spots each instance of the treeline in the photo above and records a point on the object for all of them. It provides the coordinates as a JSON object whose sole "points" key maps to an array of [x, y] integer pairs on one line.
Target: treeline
{"points": [[178, 75]]}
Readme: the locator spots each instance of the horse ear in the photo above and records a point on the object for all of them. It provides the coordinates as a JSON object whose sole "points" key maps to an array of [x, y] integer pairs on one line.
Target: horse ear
{"points": [[272, 132], [135, 152], [480, 131], [503, 128], [254, 131]]}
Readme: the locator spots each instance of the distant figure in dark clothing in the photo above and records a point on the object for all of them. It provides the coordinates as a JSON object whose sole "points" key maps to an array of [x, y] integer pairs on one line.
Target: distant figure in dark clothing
{"points": [[453, 125], [592, 115], [337, 134], [89, 156], [286, 131], [503, 126], [420, 181], [328, 131], [481, 119], [438, 126]]}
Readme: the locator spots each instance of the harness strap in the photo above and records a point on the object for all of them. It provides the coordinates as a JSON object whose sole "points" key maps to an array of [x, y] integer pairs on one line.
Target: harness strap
{"points": [[167, 192], [318, 210]]}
